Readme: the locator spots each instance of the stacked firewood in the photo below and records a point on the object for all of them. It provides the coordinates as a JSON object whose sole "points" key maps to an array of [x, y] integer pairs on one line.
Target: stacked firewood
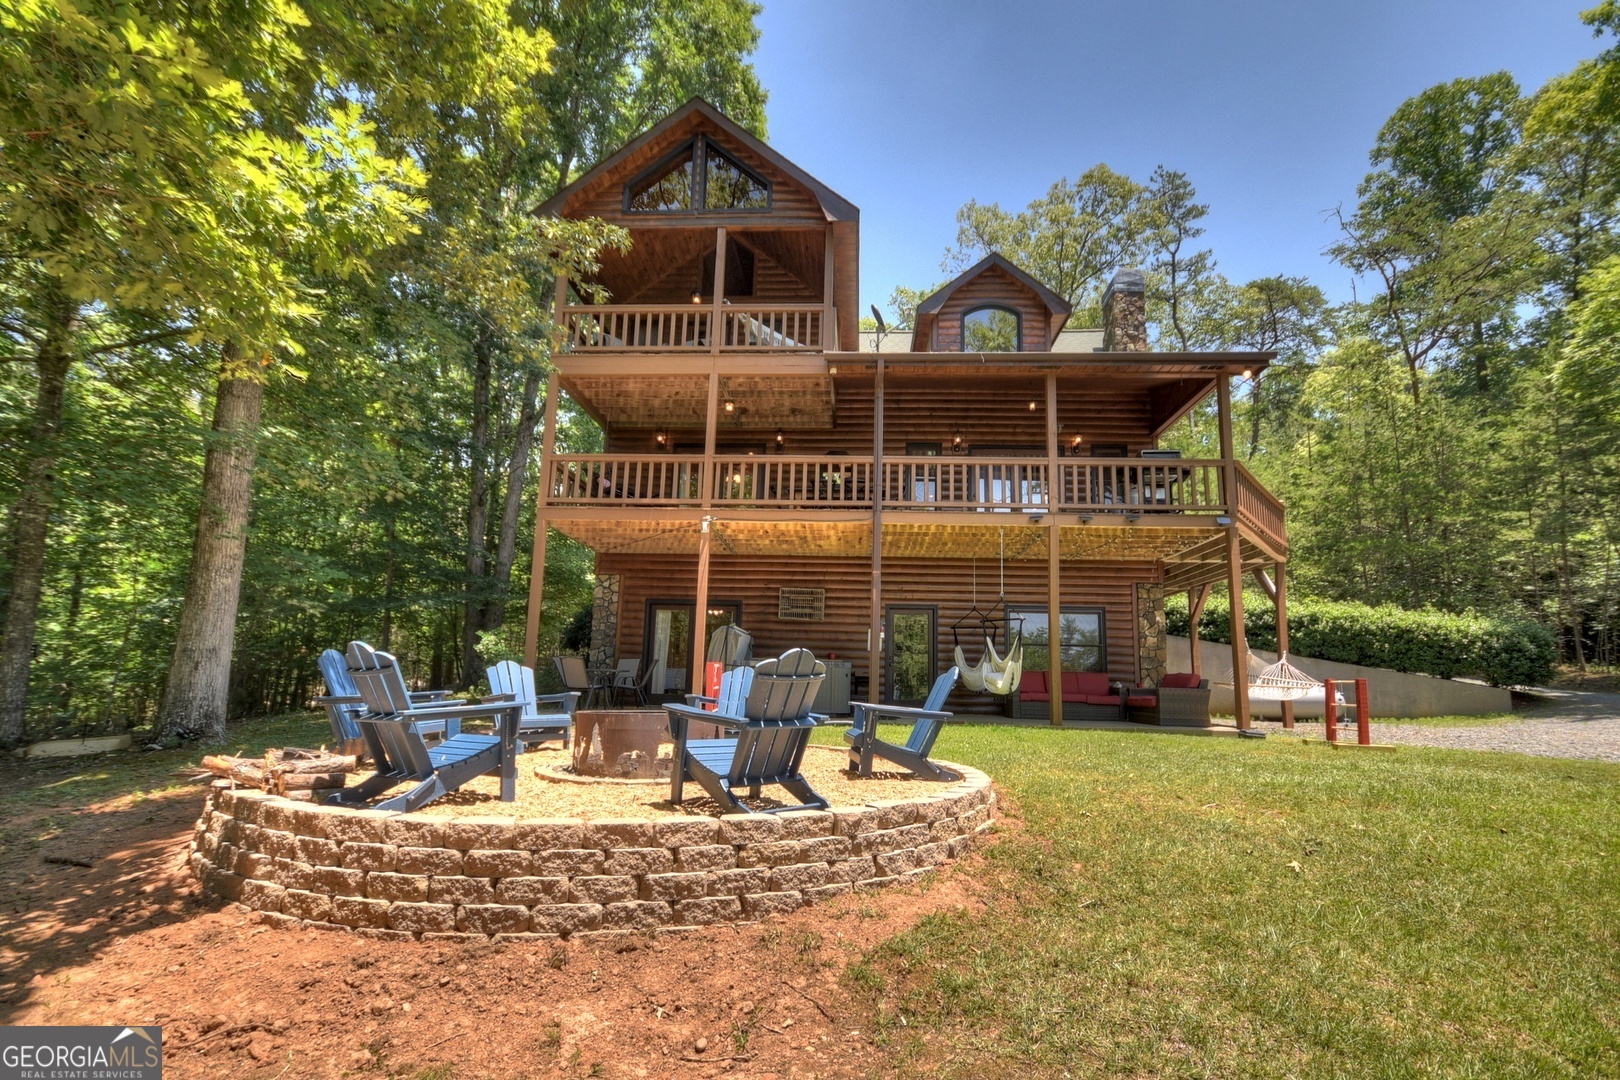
{"points": [[299, 774]]}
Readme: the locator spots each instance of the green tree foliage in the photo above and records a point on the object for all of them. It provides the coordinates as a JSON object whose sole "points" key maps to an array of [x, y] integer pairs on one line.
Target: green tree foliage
{"points": [[321, 213], [1071, 239]]}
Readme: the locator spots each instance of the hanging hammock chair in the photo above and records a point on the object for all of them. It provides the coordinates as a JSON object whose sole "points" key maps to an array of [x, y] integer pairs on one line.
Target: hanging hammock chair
{"points": [[1281, 681], [1003, 675]]}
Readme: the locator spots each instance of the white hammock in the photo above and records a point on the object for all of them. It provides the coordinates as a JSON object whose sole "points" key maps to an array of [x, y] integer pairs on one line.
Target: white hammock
{"points": [[972, 675], [1002, 676], [1281, 681]]}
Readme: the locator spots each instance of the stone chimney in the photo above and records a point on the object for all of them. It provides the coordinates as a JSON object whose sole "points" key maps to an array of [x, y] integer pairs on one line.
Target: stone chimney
{"points": [[1124, 309]]}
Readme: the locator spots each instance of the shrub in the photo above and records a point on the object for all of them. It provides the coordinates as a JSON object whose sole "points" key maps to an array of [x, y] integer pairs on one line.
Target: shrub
{"points": [[1502, 651]]}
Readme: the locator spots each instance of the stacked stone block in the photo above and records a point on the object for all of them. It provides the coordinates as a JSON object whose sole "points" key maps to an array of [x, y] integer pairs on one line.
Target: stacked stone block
{"points": [[407, 876]]}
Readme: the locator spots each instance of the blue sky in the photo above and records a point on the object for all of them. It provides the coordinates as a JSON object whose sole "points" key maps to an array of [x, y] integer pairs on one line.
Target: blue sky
{"points": [[911, 109]]}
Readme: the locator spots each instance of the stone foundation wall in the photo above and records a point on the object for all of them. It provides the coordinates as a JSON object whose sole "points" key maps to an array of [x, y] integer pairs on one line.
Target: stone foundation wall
{"points": [[406, 876], [1153, 641], [605, 622]]}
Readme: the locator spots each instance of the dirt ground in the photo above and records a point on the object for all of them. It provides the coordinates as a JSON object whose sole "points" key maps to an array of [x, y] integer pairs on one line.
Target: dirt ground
{"points": [[131, 940]]}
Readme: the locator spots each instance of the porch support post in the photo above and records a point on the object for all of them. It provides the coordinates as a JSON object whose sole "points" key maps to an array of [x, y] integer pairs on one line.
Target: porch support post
{"points": [[548, 444], [700, 609], [717, 329], [874, 663], [829, 327], [1281, 600], [1234, 556], [1054, 558], [1196, 599]]}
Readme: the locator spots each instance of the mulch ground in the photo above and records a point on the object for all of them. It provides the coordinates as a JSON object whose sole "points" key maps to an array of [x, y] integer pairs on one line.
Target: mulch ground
{"points": [[130, 939]]}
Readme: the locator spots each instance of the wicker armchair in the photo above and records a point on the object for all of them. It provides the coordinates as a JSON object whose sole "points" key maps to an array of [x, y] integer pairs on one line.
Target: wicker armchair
{"points": [[1181, 700]]}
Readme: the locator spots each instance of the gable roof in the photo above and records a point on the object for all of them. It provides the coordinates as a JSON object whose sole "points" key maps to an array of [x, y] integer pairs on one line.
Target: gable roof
{"points": [[834, 205], [1054, 303]]}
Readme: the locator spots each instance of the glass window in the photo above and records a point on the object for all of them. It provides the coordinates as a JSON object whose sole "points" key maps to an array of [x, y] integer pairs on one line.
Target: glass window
{"points": [[991, 329], [1081, 637], [667, 188], [729, 186], [700, 176]]}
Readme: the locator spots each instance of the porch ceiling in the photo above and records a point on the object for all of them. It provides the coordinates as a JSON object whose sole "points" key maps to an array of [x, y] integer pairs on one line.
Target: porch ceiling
{"points": [[762, 402], [1191, 556]]}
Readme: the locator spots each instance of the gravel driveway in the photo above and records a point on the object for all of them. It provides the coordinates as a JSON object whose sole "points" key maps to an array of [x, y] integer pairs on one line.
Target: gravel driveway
{"points": [[1560, 723]]}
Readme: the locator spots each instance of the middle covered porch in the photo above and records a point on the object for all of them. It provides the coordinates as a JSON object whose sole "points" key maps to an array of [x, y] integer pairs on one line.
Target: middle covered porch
{"points": [[889, 618]]}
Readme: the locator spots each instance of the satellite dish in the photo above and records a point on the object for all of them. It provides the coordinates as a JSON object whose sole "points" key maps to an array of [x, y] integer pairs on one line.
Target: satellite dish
{"points": [[883, 328]]}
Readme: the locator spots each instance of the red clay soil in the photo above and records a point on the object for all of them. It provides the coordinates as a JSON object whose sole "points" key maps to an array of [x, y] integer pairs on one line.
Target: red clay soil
{"points": [[130, 939]]}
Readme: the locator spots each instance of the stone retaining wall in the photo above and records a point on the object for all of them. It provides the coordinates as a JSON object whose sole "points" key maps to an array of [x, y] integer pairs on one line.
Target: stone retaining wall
{"points": [[409, 876]]}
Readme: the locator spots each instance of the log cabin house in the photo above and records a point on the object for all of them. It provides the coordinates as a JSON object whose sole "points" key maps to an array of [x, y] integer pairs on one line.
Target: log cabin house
{"points": [[766, 462]]}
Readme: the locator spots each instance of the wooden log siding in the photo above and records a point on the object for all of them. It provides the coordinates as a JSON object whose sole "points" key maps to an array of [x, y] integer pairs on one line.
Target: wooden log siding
{"points": [[992, 287], [948, 583], [985, 413]]}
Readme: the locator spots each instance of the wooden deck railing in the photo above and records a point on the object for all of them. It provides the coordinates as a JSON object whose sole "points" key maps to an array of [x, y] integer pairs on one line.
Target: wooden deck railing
{"points": [[1091, 485], [625, 480], [1147, 486], [1260, 510], [958, 483], [686, 327], [821, 483]]}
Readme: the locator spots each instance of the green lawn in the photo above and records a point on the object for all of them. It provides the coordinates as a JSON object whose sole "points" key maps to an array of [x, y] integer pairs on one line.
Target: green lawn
{"points": [[1167, 905], [1215, 906]]}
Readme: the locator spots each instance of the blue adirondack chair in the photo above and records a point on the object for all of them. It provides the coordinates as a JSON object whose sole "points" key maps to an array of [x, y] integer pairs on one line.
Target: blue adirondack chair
{"points": [[390, 728], [772, 723], [913, 754], [511, 681], [344, 705]]}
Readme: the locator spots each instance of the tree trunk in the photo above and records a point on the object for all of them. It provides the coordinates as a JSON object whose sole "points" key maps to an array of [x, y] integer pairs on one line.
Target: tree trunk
{"points": [[517, 472], [477, 510], [389, 535], [196, 698], [30, 517]]}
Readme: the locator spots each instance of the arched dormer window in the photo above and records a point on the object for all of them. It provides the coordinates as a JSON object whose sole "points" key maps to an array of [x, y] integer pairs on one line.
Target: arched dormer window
{"points": [[697, 177], [992, 328]]}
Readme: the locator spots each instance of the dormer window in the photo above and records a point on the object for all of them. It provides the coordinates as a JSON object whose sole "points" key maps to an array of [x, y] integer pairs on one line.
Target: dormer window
{"points": [[697, 177], [991, 328]]}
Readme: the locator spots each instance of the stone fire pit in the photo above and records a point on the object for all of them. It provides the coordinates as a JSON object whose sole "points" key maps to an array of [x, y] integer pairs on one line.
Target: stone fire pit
{"points": [[620, 743]]}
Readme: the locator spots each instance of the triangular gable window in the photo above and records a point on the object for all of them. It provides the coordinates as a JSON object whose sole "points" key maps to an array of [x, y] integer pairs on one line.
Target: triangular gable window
{"points": [[698, 176]]}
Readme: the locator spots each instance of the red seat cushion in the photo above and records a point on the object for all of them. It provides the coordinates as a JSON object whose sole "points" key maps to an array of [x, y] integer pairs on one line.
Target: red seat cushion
{"points": [[1078, 684], [1181, 681], [1034, 687], [1141, 701], [1101, 699]]}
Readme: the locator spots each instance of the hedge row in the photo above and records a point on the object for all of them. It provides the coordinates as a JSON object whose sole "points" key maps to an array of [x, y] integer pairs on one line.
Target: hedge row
{"points": [[1503, 652]]}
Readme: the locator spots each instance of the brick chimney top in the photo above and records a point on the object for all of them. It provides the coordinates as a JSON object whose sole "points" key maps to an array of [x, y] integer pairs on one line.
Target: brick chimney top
{"points": [[1124, 307]]}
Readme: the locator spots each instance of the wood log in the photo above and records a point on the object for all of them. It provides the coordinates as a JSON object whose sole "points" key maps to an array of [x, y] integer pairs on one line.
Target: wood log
{"points": [[309, 781], [328, 763]]}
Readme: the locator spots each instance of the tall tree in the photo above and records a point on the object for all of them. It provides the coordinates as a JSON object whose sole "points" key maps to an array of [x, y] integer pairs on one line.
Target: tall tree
{"points": [[1181, 277], [1071, 239], [1440, 226]]}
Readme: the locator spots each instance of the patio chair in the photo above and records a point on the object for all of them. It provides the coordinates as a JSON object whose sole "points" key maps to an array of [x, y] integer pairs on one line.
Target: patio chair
{"points": [[772, 729], [864, 743], [390, 728], [576, 678], [511, 681], [344, 706], [1181, 700], [626, 682]]}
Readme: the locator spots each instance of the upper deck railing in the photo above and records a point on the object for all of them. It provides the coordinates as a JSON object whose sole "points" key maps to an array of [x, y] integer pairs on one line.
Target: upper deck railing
{"points": [[603, 328], [1144, 488]]}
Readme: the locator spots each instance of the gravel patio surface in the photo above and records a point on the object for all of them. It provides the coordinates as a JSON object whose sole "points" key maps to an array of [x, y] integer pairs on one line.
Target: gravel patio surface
{"points": [[1557, 723]]}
